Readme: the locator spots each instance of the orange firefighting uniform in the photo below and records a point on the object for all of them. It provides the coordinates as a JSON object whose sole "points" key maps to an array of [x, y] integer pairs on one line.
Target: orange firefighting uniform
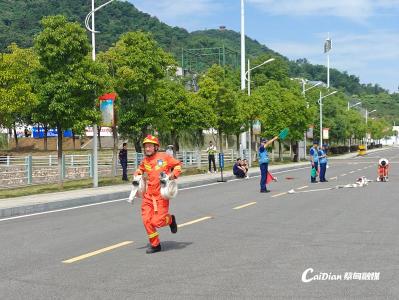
{"points": [[154, 208], [383, 171]]}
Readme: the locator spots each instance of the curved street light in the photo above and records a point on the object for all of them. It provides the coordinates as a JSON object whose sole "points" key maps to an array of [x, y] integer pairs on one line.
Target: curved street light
{"points": [[321, 113], [93, 43], [248, 78]]}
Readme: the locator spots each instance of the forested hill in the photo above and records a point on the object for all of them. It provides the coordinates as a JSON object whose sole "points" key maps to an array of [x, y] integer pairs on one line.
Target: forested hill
{"points": [[20, 22]]}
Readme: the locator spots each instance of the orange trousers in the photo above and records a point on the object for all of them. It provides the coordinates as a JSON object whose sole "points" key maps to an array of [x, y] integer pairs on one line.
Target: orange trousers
{"points": [[154, 218]]}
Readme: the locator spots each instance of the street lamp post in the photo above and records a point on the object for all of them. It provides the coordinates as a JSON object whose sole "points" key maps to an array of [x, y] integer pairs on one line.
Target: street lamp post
{"points": [[248, 78], [242, 45], [93, 44], [304, 90], [321, 113], [367, 115], [349, 107]]}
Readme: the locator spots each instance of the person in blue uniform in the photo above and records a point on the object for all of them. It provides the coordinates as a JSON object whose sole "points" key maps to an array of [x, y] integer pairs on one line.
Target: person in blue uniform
{"points": [[123, 161], [263, 157], [323, 163], [314, 160]]}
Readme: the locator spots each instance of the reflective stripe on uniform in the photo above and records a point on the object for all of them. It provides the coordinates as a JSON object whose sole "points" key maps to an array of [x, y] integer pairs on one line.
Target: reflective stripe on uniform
{"points": [[152, 235], [177, 168], [147, 167]]}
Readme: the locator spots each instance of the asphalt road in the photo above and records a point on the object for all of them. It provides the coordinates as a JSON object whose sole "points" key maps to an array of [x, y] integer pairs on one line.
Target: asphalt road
{"points": [[259, 250]]}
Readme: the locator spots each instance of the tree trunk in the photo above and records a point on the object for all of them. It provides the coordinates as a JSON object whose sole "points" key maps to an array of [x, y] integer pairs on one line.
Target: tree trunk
{"points": [[59, 156], [280, 156], [296, 151], [99, 136], [238, 142], [73, 139], [175, 141], [137, 144], [45, 137], [15, 136], [273, 145]]}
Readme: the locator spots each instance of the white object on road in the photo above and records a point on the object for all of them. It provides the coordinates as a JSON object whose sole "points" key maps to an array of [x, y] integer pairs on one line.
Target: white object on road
{"points": [[291, 191]]}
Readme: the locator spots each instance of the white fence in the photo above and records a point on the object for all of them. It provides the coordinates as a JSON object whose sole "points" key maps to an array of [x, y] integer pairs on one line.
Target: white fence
{"points": [[20, 171]]}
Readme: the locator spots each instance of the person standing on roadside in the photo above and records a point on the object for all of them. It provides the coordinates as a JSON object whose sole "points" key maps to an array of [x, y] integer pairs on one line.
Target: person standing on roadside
{"points": [[323, 163], [123, 161], [211, 156], [263, 156], [314, 160]]}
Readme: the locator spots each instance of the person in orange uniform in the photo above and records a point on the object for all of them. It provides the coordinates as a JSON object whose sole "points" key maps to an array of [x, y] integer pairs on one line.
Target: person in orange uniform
{"points": [[155, 208]]}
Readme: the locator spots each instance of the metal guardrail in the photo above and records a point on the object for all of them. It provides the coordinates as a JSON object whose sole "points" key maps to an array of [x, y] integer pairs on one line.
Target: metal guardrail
{"points": [[18, 171]]}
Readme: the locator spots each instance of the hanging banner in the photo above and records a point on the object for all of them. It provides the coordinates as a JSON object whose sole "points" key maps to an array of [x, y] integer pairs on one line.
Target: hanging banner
{"points": [[107, 109], [256, 127], [326, 132]]}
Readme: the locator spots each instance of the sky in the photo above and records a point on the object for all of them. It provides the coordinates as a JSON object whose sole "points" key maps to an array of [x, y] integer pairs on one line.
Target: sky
{"points": [[364, 33]]}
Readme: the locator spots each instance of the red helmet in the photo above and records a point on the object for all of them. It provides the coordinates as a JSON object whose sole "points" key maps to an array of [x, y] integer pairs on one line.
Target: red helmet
{"points": [[151, 139]]}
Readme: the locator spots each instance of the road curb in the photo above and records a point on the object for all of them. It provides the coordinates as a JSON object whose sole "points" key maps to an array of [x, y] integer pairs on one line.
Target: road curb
{"points": [[85, 200]]}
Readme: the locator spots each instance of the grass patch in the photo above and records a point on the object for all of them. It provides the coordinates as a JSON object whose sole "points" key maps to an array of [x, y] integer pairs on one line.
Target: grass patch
{"points": [[52, 188]]}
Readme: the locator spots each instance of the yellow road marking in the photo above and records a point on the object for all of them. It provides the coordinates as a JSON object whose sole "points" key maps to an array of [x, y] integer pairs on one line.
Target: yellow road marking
{"points": [[277, 195], [245, 205], [90, 254], [194, 221], [302, 187]]}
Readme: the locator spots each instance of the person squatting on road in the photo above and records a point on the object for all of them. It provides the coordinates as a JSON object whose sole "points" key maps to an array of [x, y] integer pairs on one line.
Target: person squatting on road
{"points": [[263, 157], [314, 160], [155, 208], [239, 170], [123, 161], [323, 163], [383, 167]]}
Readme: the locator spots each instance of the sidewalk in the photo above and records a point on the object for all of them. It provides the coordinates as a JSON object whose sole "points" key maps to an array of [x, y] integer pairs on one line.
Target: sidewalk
{"points": [[45, 202]]}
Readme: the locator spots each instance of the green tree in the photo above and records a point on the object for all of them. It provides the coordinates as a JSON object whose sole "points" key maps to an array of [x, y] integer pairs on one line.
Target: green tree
{"points": [[17, 96], [138, 63], [68, 81], [177, 111], [221, 95]]}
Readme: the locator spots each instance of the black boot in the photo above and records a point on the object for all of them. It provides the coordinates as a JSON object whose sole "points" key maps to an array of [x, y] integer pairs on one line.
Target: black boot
{"points": [[154, 249], [173, 225]]}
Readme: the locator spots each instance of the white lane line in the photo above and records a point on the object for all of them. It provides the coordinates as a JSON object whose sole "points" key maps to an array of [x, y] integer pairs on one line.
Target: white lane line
{"points": [[351, 172], [333, 178], [302, 187], [62, 209], [343, 174], [194, 221], [90, 254], [317, 190], [244, 205], [359, 169]]}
